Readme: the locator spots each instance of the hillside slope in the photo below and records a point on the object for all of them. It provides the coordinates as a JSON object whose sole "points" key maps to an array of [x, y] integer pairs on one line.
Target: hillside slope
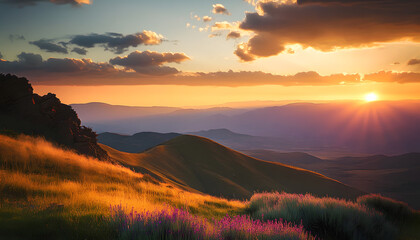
{"points": [[135, 143], [209, 167]]}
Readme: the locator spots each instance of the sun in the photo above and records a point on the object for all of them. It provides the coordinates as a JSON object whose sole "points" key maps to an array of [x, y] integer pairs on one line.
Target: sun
{"points": [[370, 97]]}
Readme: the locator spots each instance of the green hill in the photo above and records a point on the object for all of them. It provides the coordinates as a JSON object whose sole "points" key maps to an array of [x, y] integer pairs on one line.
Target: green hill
{"points": [[206, 166]]}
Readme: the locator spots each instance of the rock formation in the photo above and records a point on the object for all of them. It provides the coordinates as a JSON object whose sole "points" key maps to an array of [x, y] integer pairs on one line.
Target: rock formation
{"points": [[22, 111]]}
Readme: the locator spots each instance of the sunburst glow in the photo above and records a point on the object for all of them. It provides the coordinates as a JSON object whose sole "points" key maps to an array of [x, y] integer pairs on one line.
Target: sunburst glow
{"points": [[370, 97]]}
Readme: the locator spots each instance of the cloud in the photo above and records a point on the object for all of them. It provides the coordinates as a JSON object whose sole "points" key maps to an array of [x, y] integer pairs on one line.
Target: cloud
{"points": [[147, 68], [224, 26], [413, 61], [22, 3], [80, 51], [248, 78], [115, 42], [215, 35], [28, 63], [148, 62], [220, 9], [327, 25], [398, 77], [16, 37], [1, 55], [196, 17], [49, 46], [207, 19], [233, 35]]}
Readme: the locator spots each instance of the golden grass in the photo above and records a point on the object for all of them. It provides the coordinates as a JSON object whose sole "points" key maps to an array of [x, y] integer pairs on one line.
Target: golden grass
{"points": [[34, 172]]}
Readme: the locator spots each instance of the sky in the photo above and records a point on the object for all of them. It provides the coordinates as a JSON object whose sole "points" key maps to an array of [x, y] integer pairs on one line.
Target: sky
{"points": [[192, 53]]}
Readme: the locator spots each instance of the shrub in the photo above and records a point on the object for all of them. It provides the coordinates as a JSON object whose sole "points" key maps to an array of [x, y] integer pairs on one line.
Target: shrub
{"points": [[179, 224], [325, 217], [393, 210]]}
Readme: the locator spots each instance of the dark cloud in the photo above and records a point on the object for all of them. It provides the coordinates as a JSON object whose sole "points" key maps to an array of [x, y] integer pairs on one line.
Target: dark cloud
{"points": [[146, 68], [116, 42], [413, 61], [327, 25], [401, 77], [220, 9], [80, 51], [49, 46], [16, 37], [1, 55], [33, 63], [143, 63], [233, 35], [22, 3], [148, 62]]}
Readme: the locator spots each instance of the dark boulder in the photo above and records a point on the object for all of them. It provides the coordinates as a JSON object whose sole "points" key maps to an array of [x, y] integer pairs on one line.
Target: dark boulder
{"points": [[22, 111]]}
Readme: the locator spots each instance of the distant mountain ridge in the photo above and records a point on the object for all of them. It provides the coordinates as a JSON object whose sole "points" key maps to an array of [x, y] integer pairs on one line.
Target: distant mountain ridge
{"points": [[350, 127], [135, 143], [103, 112]]}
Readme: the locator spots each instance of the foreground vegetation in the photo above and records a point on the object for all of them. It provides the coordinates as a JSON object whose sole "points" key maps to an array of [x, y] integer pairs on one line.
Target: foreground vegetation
{"points": [[50, 193], [55, 193]]}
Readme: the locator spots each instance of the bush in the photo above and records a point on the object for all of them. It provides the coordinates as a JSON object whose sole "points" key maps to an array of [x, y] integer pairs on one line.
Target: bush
{"points": [[179, 224], [327, 218], [393, 210]]}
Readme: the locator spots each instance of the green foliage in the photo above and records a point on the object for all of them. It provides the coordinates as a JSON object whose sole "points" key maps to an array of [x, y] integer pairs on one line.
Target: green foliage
{"points": [[52, 222], [393, 210], [328, 218]]}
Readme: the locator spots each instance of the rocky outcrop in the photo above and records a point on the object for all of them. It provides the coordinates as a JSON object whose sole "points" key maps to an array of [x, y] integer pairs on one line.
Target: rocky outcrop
{"points": [[22, 111]]}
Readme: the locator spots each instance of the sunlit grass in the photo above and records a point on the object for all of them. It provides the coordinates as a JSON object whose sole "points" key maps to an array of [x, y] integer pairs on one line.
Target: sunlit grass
{"points": [[41, 182], [50, 193]]}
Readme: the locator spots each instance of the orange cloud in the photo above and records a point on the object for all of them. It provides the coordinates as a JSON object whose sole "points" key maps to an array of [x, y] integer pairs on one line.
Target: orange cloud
{"points": [[402, 77], [327, 25], [207, 19], [220, 9]]}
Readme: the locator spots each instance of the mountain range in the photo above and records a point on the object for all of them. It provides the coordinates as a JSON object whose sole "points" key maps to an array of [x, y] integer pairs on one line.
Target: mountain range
{"points": [[349, 127]]}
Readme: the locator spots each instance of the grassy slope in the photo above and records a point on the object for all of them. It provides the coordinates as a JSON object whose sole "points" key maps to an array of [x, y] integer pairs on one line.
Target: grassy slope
{"points": [[211, 168], [50, 193]]}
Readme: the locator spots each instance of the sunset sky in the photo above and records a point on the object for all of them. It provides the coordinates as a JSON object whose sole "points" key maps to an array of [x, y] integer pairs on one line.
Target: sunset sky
{"points": [[192, 53]]}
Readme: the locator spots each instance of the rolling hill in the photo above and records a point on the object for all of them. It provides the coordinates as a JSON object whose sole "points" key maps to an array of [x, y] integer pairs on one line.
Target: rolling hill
{"points": [[208, 167], [135, 143]]}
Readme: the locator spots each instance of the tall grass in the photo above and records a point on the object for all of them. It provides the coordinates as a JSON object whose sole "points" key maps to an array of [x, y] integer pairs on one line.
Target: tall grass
{"points": [[393, 210], [50, 193], [42, 185], [327, 218], [179, 224]]}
